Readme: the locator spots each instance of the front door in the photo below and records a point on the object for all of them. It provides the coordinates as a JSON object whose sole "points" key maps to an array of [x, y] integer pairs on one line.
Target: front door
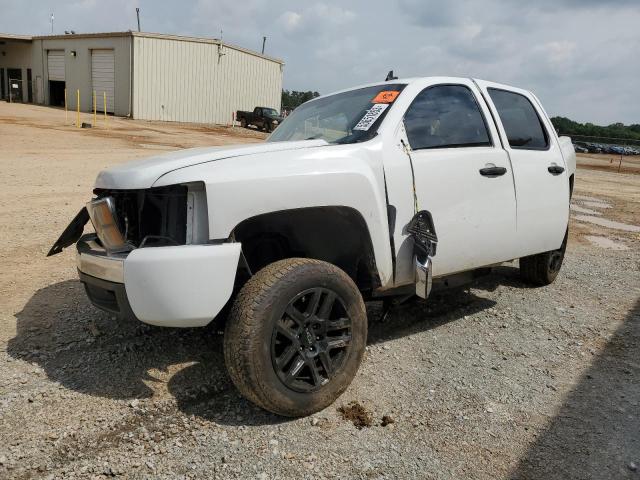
{"points": [[539, 170], [463, 177]]}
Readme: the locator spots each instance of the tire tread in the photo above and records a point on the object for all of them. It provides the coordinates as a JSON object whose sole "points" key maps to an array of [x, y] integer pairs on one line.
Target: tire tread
{"points": [[257, 295]]}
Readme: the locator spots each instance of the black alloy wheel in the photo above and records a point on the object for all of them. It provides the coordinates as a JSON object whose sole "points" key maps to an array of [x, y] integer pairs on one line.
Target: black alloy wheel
{"points": [[295, 336], [311, 340]]}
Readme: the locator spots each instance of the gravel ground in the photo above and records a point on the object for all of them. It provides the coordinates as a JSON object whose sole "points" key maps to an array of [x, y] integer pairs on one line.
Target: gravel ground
{"points": [[496, 380]]}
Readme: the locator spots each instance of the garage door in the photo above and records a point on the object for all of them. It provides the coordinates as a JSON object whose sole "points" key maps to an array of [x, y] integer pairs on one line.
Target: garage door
{"points": [[55, 64], [103, 77]]}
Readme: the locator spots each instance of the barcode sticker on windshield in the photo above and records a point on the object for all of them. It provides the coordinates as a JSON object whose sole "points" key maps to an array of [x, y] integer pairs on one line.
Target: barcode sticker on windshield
{"points": [[371, 116]]}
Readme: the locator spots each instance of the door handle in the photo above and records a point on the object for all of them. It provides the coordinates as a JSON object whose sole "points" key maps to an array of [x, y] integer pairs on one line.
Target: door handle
{"points": [[555, 169], [492, 171]]}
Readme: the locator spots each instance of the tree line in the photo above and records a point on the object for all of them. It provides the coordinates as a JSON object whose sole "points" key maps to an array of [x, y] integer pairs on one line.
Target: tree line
{"points": [[567, 126], [292, 99]]}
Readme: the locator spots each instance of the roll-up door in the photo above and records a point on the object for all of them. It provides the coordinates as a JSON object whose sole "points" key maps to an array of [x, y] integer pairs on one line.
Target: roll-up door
{"points": [[103, 77], [55, 63]]}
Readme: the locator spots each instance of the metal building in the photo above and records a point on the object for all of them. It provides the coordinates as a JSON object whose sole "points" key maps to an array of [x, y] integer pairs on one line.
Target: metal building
{"points": [[142, 75]]}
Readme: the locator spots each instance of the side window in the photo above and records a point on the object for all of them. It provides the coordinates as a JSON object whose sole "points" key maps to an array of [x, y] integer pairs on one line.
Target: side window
{"points": [[520, 120], [445, 116]]}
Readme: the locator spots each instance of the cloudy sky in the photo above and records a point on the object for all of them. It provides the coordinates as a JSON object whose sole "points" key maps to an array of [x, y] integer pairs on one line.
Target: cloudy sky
{"points": [[581, 57]]}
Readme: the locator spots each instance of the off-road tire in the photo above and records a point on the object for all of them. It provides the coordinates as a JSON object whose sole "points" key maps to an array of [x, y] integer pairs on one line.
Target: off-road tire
{"points": [[243, 123], [543, 268], [248, 334]]}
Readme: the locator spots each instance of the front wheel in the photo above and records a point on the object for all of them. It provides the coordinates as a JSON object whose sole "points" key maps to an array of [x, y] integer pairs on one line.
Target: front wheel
{"points": [[295, 336], [543, 268]]}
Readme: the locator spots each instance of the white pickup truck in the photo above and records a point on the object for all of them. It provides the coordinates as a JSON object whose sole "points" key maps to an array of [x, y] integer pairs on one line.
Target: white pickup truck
{"points": [[367, 193]]}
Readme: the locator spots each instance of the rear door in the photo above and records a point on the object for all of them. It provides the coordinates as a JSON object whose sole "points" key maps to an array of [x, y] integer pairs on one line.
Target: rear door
{"points": [[463, 176], [539, 170]]}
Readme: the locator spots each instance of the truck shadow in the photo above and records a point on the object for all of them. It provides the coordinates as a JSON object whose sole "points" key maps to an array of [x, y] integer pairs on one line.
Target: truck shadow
{"points": [[90, 352], [443, 306], [595, 433]]}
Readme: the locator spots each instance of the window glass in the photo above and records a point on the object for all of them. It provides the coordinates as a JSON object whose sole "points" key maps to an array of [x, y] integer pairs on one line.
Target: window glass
{"points": [[445, 116], [348, 117], [520, 120]]}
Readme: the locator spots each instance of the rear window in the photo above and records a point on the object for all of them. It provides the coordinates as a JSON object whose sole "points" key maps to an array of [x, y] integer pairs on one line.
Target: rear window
{"points": [[520, 120]]}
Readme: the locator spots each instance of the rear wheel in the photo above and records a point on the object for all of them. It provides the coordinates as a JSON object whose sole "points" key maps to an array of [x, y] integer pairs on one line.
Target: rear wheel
{"points": [[243, 123], [295, 336], [543, 268]]}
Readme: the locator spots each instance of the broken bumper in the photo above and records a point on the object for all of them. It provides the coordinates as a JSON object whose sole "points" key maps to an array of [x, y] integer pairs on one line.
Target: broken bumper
{"points": [[181, 286]]}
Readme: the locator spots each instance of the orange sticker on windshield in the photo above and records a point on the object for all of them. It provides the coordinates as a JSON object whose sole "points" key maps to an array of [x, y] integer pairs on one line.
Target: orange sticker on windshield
{"points": [[386, 96]]}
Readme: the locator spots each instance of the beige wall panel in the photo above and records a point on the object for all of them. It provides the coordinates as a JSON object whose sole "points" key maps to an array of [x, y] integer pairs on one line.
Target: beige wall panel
{"points": [[189, 81]]}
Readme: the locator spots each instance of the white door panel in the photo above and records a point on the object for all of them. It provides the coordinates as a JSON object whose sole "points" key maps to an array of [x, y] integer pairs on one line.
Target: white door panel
{"points": [[452, 138], [543, 200], [474, 215], [542, 196]]}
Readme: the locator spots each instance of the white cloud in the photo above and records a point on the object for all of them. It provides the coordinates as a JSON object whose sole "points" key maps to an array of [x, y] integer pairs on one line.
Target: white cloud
{"points": [[318, 18], [291, 21]]}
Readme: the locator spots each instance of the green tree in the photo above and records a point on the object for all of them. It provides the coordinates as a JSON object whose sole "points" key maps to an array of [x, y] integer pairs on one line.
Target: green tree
{"points": [[292, 98], [567, 126]]}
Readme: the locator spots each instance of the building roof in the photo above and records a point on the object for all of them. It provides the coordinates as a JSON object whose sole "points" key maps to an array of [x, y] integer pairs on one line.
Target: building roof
{"points": [[11, 36], [163, 36]]}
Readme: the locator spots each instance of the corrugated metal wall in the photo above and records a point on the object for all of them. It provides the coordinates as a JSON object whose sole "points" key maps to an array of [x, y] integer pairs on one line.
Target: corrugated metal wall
{"points": [[187, 81]]}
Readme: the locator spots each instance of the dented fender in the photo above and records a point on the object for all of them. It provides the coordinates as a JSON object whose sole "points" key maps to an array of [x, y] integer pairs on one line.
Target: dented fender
{"points": [[333, 175]]}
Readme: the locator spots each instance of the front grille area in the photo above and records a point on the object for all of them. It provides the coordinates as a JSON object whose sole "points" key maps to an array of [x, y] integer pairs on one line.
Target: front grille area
{"points": [[152, 217]]}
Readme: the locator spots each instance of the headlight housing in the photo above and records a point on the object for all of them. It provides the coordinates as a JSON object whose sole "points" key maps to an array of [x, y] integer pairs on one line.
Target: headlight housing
{"points": [[101, 211]]}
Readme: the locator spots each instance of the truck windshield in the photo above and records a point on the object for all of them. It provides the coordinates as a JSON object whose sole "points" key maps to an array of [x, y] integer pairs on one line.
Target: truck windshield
{"points": [[347, 117], [269, 111]]}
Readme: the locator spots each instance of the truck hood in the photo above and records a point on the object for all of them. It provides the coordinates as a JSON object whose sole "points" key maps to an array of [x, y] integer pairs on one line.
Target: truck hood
{"points": [[144, 173]]}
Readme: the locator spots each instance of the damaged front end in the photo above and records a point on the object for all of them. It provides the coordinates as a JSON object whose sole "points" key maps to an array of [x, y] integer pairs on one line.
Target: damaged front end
{"points": [[150, 217], [128, 219], [72, 233], [185, 282]]}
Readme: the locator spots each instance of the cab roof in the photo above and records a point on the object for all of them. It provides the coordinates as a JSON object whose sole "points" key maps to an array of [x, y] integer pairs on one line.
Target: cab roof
{"points": [[414, 80]]}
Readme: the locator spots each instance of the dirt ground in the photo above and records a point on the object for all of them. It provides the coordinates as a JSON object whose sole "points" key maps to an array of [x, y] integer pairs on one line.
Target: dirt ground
{"points": [[607, 163], [493, 381]]}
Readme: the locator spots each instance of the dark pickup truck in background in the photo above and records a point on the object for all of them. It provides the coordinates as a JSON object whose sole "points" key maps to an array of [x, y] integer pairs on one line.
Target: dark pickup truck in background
{"points": [[263, 118]]}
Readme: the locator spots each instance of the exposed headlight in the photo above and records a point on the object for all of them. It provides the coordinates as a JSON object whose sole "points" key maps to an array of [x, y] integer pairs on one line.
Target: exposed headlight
{"points": [[101, 212]]}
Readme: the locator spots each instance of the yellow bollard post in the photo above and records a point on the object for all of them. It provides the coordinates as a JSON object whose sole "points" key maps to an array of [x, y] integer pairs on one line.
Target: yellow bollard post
{"points": [[104, 96], [94, 108], [66, 111], [78, 108]]}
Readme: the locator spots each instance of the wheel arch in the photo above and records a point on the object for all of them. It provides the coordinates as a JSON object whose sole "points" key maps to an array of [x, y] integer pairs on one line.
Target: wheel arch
{"points": [[335, 234]]}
